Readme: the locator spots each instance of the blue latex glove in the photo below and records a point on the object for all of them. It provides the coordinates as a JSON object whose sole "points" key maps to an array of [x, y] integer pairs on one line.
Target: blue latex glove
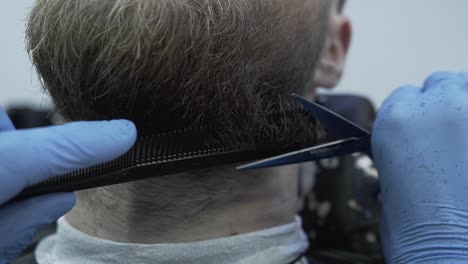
{"points": [[30, 156], [420, 146]]}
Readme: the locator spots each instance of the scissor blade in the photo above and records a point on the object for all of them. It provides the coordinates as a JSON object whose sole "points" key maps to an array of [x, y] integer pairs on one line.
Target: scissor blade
{"points": [[337, 125], [328, 150]]}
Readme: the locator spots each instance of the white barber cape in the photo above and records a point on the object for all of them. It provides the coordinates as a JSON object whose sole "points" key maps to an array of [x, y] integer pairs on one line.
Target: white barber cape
{"points": [[279, 245]]}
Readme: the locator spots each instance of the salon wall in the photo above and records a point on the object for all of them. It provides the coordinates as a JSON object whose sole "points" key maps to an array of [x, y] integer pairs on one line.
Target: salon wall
{"points": [[401, 42], [395, 42]]}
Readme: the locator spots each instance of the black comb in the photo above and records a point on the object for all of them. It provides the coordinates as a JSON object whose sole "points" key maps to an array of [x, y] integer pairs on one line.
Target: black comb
{"points": [[154, 156]]}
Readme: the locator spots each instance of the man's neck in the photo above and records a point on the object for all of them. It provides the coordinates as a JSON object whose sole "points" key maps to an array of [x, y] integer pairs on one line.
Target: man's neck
{"points": [[188, 207]]}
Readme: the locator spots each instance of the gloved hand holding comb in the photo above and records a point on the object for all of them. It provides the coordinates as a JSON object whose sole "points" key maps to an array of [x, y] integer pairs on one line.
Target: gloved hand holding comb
{"points": [[30, 156], [420, 146]]}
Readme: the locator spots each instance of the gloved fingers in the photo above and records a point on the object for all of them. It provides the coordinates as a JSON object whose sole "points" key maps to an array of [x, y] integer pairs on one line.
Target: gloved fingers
{"points": [[464, 75], [5, 121], [20, 221], [394, 109], [441, 81], [30, 156], [403, 95]]}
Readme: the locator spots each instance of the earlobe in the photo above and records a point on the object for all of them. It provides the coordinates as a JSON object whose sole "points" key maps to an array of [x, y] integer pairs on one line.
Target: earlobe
{"points": [[331, 65]]}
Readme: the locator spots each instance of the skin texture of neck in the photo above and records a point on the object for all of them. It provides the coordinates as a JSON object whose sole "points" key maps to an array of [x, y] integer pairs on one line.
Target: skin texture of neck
{"points": [[188, 207]]}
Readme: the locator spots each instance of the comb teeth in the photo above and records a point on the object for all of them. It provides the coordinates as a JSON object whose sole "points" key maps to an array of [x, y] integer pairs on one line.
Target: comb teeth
{"points": [[162, 154], [164, 147]]}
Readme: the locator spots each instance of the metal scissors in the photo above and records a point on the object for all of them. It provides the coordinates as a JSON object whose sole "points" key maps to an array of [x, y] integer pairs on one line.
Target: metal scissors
{"points": [[351, 139]]}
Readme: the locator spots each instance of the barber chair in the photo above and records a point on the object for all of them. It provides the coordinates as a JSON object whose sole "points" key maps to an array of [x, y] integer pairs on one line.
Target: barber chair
{"points": [[26, 117], [341, 213]]}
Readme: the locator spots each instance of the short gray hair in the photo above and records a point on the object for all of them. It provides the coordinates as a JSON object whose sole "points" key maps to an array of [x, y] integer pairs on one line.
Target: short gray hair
{"points": [[167, 64]]}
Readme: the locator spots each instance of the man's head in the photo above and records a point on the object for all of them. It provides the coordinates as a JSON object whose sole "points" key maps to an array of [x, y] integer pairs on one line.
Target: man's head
{"points": [[168, 64], [174, 64]]}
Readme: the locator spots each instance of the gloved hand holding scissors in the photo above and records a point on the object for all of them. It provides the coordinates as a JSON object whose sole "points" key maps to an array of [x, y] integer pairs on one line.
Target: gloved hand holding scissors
{"points": [[30, 156], [420, 146]]}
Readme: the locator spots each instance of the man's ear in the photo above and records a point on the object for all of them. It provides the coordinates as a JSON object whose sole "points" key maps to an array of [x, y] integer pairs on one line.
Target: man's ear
{"points": [[331, 64]]}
